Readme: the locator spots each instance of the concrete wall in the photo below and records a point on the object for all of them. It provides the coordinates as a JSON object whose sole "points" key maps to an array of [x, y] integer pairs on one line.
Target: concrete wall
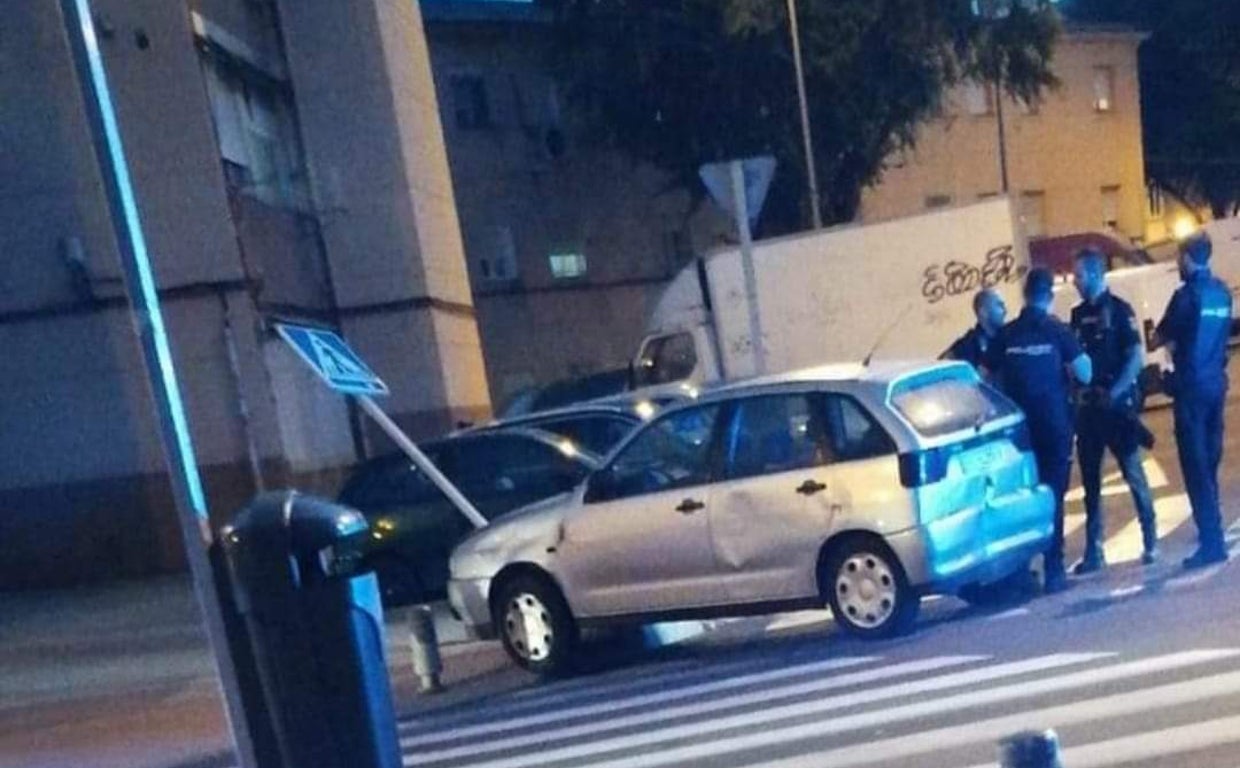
{"points": [[1067, 150], [83, 491], [379, 171], [537, 328]]}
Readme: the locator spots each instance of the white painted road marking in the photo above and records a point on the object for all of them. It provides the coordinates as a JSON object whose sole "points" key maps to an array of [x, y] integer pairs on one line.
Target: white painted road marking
{"points": [[651, 716], [1117, 705], [579, 752], [1147, 746]]}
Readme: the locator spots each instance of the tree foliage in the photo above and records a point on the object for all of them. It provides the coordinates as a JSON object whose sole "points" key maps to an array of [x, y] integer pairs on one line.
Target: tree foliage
{"points": [[682, 82], [1190, 93]]}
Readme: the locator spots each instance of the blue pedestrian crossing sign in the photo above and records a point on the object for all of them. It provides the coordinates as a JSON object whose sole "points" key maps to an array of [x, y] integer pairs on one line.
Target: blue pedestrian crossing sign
{"points": [[332, 359]]}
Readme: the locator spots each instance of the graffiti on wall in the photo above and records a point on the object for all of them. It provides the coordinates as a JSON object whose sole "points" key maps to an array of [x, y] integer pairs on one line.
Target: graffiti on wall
{"points": [[958, 277]]}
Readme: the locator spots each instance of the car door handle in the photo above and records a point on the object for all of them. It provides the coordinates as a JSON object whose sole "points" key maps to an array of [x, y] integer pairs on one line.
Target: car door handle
{"points": [[810, 487], [689, 506]]}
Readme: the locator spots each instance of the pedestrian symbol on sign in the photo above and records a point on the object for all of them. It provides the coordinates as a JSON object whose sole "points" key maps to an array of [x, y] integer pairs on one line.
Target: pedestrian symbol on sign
{"points": [[333, 360]]}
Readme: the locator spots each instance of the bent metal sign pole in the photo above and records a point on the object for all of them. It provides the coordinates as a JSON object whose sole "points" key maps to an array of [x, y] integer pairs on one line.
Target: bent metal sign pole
{"points": [[335, 362], [148, 320]]}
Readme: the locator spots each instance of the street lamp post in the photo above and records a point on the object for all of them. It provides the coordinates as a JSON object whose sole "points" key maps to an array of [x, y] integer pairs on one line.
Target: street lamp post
{"points": [[1003, 166], [991, 12], [806, 136]]}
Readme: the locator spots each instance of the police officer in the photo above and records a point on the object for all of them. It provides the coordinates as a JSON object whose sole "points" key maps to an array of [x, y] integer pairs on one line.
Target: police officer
{"points": [[1032, 359], [1108, 414], [1195, 329], [990, 311]]}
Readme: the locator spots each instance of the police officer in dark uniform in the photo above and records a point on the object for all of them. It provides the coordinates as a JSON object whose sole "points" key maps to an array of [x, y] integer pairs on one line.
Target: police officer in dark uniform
{"points": [[1196, 328], [1032, 359], [990, 311], [1107, 416]]}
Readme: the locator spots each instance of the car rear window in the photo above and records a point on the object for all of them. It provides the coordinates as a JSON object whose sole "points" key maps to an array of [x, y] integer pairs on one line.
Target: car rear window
{"points": [[950, 405]]}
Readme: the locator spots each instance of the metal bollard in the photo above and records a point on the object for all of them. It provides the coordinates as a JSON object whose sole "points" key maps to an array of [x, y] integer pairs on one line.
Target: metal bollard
{"points": [[1030, 749], [425, 645]]}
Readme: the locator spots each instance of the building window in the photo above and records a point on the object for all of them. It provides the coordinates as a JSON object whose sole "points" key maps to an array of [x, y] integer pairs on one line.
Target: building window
{"points": [[565, 266], [499, 262], [987, 195], [1033, 213], [255, 125], [1110, 207], [1104, 89], [938, 201], [469, 102], [979, 98]]}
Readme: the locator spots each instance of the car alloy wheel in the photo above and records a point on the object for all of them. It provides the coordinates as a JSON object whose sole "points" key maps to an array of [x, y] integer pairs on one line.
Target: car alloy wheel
{"points": [[864, 583], [865, 588], [528, 625], [535, 624]]}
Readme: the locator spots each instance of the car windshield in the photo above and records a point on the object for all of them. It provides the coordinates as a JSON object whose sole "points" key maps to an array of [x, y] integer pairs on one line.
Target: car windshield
{"points": [[598, 434], [672, 452], [950, 405]]}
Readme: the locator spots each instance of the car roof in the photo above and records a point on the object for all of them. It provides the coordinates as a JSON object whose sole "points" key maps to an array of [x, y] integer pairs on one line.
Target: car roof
{"points": [[624, 405], [879, 376], [582, 409]]}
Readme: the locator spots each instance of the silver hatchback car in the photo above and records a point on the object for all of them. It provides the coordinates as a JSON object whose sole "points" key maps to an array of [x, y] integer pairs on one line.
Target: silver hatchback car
{"points": [[862, 488]]}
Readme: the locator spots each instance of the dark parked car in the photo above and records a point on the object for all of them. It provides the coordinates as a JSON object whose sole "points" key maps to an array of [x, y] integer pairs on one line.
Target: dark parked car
{"points": [[413, 525], [598, 426]]}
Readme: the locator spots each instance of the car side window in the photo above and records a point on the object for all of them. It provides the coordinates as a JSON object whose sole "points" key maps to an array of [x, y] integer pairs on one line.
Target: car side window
{"points": [[773, 433], [499, 465], [667, 359], [394, 482], [673, 452], [852, 432]]}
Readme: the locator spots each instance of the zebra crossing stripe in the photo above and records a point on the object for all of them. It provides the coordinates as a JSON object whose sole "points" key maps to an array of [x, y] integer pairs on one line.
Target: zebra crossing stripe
{"points": [[648, 716], [860, 697], [591, 687], [1207, 686], [1170, 512], [842, 724], [1164, 743], [612, 704]]}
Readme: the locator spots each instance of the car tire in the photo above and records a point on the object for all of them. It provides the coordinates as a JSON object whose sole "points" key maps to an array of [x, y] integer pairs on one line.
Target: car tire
{"points": [[536, 625], [866, 587]]}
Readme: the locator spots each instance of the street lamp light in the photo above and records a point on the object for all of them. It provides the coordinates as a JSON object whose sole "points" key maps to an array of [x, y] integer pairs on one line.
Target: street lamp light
{"points": [[810, 173]]}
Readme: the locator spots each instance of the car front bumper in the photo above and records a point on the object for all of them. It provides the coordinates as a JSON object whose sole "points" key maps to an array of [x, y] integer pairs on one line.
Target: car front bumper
{"points": [[470, 602], [977, 545]]}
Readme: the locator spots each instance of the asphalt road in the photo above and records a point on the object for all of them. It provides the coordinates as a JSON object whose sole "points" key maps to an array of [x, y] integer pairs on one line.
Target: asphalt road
{"points": [[1135, 666]]}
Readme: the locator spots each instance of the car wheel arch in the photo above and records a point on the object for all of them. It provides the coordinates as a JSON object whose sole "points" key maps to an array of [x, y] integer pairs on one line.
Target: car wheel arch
{"points": [[517, 570], [842, 538]]}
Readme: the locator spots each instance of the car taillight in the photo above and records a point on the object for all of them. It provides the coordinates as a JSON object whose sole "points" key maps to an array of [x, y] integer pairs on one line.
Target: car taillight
{"points": [[923, 467]]}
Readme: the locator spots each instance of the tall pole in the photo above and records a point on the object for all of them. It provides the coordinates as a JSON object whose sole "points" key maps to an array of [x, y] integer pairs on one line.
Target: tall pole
{"points": [[1003, 165], [148, 320], [741, 205], [811, 174]]}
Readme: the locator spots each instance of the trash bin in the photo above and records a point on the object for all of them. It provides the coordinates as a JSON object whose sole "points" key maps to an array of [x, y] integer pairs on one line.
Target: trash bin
{"points": [[316, 629]]}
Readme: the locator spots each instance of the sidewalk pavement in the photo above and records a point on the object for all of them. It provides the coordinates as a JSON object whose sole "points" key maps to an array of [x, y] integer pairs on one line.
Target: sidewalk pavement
{"points": [[121, 676]]}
